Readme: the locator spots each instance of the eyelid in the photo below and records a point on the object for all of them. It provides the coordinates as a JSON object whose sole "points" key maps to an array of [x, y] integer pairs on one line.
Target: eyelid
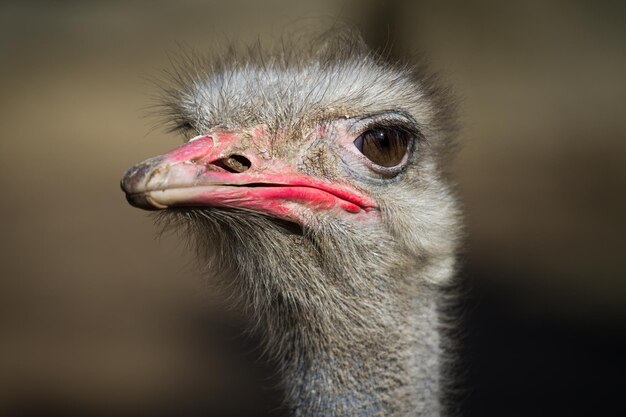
{"points": [[389, 120]]}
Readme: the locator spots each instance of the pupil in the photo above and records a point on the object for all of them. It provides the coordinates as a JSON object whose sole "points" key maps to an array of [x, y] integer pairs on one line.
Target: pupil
{"points": [[382, 139]]}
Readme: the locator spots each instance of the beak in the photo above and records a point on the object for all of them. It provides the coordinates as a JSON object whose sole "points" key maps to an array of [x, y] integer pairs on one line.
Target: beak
{"points": [[217, 171]]}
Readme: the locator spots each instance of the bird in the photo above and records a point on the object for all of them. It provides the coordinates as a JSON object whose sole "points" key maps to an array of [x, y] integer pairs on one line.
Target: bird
{"points": [[312, 182]]}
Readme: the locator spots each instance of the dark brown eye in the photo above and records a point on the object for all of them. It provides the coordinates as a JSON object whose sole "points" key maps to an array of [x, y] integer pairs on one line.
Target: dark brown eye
{"points": [[383, 146]]}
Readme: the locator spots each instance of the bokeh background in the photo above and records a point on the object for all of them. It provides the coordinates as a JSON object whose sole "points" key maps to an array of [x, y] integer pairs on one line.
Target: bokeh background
{"points": [[98, 316]]}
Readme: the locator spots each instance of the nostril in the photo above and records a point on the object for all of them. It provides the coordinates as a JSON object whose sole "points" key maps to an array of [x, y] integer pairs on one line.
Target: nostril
{"points": [[233, 163]]}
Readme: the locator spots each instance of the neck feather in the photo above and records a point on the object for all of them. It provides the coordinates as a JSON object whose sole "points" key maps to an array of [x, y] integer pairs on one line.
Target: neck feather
{"points": [[352, 323], [390, 369]]}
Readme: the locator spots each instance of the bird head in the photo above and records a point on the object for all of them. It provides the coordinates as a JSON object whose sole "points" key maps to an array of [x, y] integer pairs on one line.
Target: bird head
{"points": [[318, 168]]}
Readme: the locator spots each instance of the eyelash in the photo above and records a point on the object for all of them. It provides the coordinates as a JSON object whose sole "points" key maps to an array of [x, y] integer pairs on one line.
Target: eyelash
{"points": [[385, 123]]}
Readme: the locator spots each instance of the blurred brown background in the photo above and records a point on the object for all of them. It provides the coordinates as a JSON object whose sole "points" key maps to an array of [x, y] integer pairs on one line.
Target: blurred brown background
{"points": [[99, 317]]}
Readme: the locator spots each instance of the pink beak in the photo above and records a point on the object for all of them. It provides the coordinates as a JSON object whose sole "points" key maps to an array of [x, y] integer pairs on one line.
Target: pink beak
{"points": [[214, 171]]}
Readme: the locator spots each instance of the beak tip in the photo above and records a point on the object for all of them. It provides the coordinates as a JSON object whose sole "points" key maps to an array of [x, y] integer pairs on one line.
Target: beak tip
{"points": [[137, 175], [133, 184]]}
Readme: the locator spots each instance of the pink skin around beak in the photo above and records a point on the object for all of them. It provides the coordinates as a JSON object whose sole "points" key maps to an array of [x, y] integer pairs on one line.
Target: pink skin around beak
{"points": [[214, 171]]}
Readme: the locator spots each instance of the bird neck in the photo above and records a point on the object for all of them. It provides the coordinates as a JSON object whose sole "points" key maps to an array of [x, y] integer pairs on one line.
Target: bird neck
{"points": [[352, 322], [392, 369]]}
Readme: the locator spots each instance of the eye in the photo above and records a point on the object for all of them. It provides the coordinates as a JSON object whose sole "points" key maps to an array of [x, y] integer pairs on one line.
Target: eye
{"points": [[384, 146]]}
